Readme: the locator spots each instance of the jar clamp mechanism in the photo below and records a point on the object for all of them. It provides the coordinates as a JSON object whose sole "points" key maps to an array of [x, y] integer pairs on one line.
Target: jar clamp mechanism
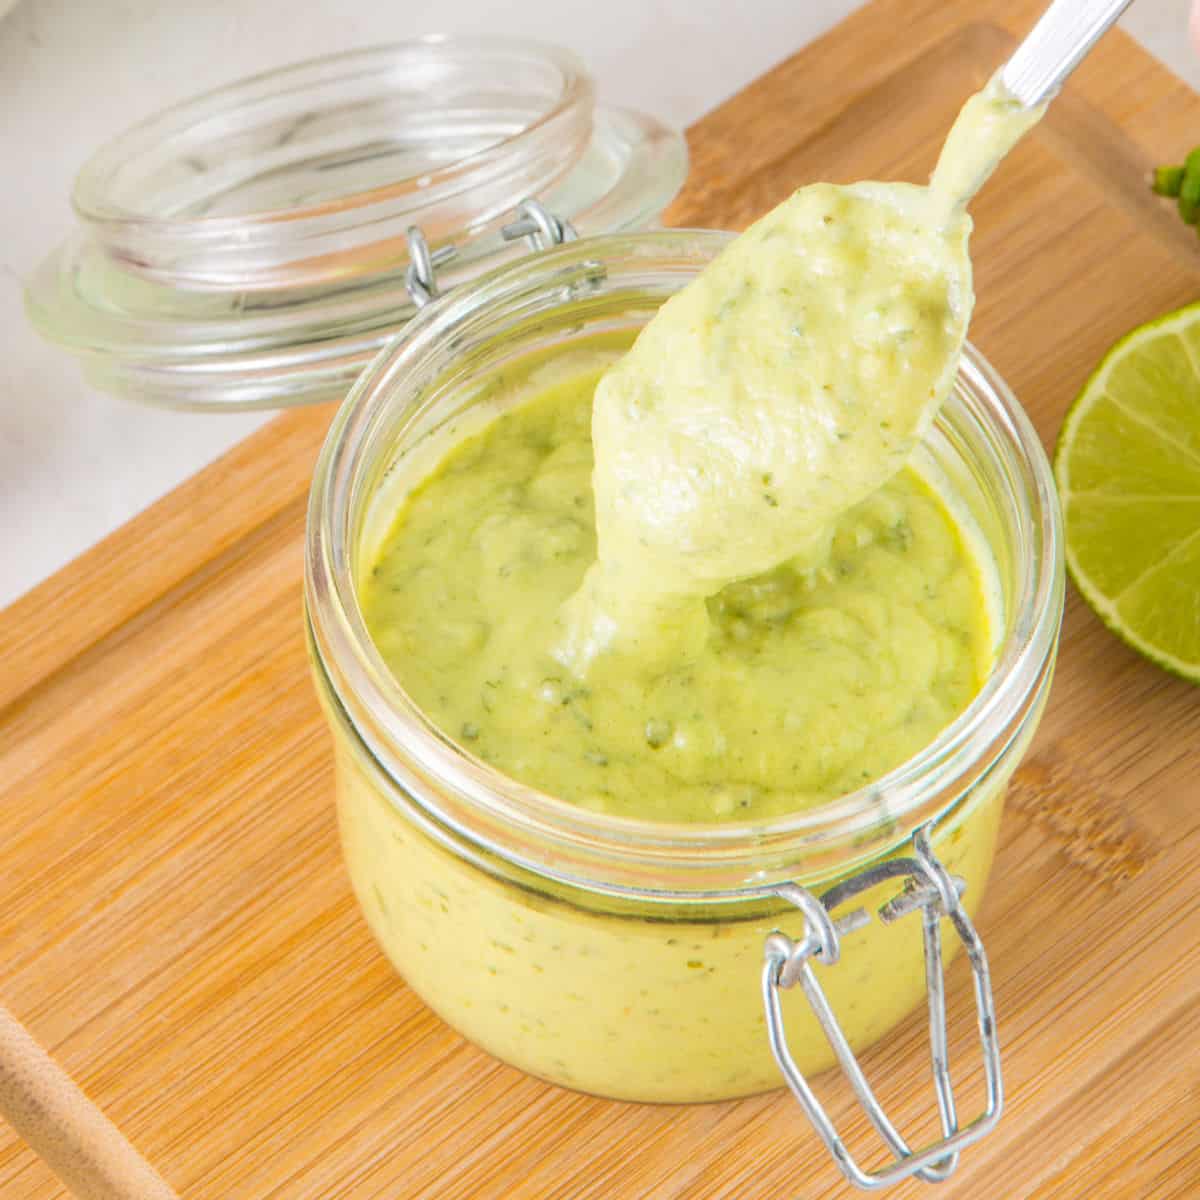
{"points": [[540, 228], [936, 894]]}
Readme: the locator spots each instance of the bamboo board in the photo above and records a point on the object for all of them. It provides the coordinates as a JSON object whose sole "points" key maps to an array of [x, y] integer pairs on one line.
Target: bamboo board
{"points": [[175, 923]]}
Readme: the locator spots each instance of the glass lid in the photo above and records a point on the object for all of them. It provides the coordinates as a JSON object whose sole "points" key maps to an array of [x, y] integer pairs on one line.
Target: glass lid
{"points": [[249, 248]]}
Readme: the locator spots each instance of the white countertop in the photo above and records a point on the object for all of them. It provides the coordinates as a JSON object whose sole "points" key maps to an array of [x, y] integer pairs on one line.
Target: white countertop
{"points": [[74, 463]]}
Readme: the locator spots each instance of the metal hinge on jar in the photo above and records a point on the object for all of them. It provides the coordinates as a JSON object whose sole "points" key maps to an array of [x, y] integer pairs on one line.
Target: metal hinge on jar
{"points": [[540, 228], [936, 894]]}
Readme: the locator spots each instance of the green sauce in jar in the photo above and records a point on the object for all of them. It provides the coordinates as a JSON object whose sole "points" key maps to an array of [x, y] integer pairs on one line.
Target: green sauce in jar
{"points": [[777, 611], [812, 680], [648, 1002]]}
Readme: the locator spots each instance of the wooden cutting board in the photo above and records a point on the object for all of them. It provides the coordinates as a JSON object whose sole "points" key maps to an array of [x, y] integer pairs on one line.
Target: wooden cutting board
{"points": [[175, 922]]}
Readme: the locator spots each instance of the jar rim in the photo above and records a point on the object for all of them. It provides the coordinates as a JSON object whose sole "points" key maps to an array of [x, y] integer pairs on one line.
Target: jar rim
{"points": [[382, 715]]}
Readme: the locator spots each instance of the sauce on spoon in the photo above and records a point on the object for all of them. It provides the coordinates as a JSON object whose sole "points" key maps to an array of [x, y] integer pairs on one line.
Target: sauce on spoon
{"points": [[783, 386]]}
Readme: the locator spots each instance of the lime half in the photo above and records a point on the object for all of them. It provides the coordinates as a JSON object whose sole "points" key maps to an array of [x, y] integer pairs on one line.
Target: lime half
{"points": [[1128, 471]]}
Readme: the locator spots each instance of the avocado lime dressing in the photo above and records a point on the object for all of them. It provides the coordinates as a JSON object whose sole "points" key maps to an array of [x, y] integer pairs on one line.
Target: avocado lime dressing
{"points": [[701, 584], [712, 578], [777, 390], [988, 127], [811, 680]]}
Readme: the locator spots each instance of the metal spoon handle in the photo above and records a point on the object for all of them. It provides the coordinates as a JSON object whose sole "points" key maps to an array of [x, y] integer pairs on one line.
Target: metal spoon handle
{"points": [[1055, 46]]}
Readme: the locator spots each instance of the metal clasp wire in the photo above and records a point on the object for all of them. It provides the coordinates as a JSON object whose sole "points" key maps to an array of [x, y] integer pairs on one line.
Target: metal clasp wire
{"points": [[937, 894], [542, 230], [420, 279]]}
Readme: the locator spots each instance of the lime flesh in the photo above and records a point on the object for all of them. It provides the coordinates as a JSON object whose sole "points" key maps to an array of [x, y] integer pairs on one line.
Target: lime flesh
{"points": [[1128, 472]]}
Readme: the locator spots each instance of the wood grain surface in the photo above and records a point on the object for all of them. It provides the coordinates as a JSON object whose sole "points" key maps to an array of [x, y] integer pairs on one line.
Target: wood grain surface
{"points": [[175, 922]]}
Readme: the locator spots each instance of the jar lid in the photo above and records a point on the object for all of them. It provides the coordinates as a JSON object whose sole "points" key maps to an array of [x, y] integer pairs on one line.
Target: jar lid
{"points": [[249, 248]]}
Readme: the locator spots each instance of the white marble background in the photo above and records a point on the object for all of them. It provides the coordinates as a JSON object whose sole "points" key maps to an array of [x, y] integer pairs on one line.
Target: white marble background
{"points": [[74, 463]]}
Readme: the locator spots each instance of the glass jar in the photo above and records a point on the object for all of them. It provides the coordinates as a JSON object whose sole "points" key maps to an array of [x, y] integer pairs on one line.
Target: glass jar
{"points": [[249, 248], [615, 956]]}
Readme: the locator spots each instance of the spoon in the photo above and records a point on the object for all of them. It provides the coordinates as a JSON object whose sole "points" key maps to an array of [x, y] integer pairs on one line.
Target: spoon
{"points": [[794, 376], [1055, 46], [992, 122]]}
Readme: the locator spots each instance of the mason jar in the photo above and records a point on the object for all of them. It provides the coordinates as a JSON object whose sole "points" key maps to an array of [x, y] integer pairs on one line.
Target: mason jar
{"points": [[247, 248], [622, 957]]}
